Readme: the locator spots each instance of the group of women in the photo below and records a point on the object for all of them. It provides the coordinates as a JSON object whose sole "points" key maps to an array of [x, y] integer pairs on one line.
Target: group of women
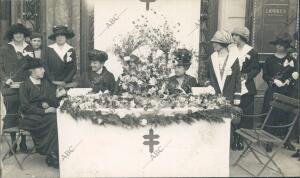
{"points": [[39, 73], [233, 68]]}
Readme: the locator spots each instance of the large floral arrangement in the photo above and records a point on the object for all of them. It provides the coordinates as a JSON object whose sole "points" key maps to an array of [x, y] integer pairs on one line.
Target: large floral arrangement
{"points": [[148, 58], [146, 55]]}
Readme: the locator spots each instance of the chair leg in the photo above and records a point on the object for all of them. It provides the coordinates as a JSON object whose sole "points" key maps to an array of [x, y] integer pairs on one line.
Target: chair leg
{"points": [[11, 149], [30, 153], [270, 159], [240, 157], [255, 155]]}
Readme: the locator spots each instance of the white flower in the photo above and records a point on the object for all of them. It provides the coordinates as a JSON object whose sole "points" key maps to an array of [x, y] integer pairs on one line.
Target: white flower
{"points": [[132, 104], [126, 58], [144, 122], [152, 81], [295, 75], [99, 121], [139, 82]]}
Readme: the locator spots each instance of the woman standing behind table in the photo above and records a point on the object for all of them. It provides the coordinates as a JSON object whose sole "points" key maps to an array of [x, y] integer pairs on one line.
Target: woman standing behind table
{"points": [[12, 72], [277, 72], [225, 76], [248, 59], [60, 57]]}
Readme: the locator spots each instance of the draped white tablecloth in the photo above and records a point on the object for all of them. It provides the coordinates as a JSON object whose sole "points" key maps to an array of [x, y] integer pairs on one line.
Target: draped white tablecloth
{"points": [[89, 150]]}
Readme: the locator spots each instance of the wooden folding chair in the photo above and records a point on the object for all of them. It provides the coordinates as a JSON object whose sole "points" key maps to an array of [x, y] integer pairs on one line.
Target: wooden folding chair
{"points": [[4, 135], [254, 137]]}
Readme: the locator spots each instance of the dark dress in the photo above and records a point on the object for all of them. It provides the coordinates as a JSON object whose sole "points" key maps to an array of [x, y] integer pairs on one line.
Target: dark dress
{"points": [[42, 126], [251, 68], [274, 69], [99, 82], [58, 69], [232, 84], [187, 84], [11, 66]]}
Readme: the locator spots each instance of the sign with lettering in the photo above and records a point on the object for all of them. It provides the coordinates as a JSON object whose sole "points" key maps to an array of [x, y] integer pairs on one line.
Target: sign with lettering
{"points": [[275, 13]]}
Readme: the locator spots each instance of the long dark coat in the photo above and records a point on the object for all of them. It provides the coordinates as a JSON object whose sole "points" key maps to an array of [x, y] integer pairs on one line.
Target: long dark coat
{"points": [[230, 85], [249, 66], [58, 69], [11, 67], [41, 125]]}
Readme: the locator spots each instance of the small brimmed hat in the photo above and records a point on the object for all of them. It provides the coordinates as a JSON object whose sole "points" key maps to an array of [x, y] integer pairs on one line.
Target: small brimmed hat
{"points": [[32, 63], [17, 28], [98, 55], [36, 35], [183, 57], [242, 31], [283, 39], [61, 30], [222, 36]]}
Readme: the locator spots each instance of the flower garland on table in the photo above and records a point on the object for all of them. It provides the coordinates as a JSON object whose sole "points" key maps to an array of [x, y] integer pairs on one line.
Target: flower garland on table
{"points": [[210, 108]]}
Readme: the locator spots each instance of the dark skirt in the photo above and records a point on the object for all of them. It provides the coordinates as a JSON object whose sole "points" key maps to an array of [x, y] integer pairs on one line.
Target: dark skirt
{"points": [[12, 104], [43, 129], [247, 105], [277, 117]]}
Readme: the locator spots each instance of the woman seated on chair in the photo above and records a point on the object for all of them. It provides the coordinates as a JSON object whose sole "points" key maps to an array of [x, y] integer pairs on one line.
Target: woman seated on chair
{"points": [[182, 82], [38, 105]]}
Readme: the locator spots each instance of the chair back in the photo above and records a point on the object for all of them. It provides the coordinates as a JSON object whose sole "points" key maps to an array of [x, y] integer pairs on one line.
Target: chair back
{"points": [[288, 105]]}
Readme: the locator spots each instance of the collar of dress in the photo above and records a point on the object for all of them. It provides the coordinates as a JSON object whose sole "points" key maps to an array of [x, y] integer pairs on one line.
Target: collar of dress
{"points": [[61, 52], [21, 50], [100, 70], [35, 81], [241, 53], [216, 67]]}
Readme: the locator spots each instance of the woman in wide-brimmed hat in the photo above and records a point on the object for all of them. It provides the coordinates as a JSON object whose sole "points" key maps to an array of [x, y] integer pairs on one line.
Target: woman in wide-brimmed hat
{"points": [[182, 82], [38, 105], [278, 73], [249, 65], [225, 75], [97, 77], [60, 57], [11, 73]]}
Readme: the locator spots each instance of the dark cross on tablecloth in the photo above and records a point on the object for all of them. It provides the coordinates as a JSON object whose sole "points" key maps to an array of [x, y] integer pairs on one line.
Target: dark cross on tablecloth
{"points": [[151, 140], [147, 3]]}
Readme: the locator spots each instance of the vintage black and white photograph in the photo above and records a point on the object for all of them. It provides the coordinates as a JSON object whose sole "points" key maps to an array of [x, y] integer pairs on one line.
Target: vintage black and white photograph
{"points": [[149, 88]]}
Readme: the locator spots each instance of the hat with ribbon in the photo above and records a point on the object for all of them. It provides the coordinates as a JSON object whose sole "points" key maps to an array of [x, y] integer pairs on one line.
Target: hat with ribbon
{"points": [[283, 39], [183, 57], [61, 30]]}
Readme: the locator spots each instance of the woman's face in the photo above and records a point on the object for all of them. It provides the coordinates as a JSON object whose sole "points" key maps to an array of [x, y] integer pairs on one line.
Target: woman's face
{"points": [[217, 46], [60, 39], [18, 37], [38, 72], [236, 38], [179, 71], [36, 43], [96, 65], [280, 48]]}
